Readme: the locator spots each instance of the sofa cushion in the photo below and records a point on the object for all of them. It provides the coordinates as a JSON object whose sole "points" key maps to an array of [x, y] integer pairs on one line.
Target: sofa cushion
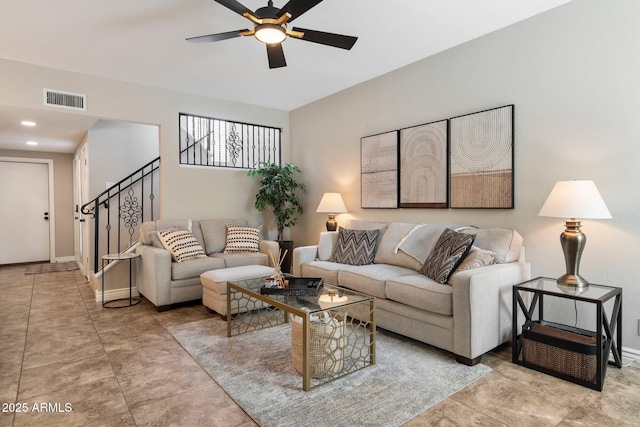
{"points": [[355, 247], [477, 258], [216, 280], [237, 259], [242, 239], [370, 279], [194, 267], [505, 242], [387, 254], [421, 292], [153, 238], [358, 224], [149, 236], [326, 269], [421, 240], [326, 244], [214, 232], [448, 252], [181, 244]]}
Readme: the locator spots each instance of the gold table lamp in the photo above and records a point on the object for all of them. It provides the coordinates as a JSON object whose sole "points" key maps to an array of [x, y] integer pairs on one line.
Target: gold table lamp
{"points": [[332, 204], [572, 200]]}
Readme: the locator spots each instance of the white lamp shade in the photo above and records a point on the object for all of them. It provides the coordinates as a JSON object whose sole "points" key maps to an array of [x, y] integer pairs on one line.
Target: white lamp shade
{"points": [[332, 203], [575, 199]]}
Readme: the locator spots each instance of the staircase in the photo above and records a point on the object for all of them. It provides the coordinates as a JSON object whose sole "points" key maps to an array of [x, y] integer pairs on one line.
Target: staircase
{"points": [[118, 212]]}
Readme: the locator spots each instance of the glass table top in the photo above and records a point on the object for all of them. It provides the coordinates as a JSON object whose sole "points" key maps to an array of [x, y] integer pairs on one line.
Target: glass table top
{"points": [[550, 286], [328, 297]]}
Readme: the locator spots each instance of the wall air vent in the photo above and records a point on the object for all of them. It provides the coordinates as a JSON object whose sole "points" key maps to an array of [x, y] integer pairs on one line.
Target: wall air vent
{"points": [[59, 99]]}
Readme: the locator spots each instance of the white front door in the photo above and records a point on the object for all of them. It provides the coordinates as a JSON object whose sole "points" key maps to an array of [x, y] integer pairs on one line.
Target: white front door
{"points": [[25, 215]]}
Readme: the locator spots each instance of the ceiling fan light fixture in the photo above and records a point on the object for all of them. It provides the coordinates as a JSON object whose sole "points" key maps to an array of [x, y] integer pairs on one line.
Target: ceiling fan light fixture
{"points": [[270, 33]]}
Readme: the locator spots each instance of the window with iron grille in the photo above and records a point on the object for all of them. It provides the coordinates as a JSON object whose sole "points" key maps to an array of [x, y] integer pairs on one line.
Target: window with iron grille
{"points": [[205, 141]]}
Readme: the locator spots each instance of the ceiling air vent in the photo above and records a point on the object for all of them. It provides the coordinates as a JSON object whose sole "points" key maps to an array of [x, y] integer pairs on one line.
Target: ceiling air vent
{"points": [[59, 99]]}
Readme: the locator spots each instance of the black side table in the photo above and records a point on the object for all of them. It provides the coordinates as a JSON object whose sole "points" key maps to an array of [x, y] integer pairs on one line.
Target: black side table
{"points": [[120, 302], [566, 352]]}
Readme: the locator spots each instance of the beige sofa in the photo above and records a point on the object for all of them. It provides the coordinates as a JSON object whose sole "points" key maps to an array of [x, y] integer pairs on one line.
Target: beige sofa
{"points": [[165, 282], [468, 315]]}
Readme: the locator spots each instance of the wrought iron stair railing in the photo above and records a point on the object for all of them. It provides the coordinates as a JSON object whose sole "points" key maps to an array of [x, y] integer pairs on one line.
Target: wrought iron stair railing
{"points": [[118, 211]]}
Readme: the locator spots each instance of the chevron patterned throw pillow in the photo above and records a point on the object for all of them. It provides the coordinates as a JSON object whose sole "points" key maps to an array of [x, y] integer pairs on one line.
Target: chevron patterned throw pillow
{"points": [[448, 253], [355, 247]]}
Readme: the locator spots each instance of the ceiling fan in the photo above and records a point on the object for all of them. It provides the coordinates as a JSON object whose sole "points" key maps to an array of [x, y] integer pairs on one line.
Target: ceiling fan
{"points": [[270, 27]]}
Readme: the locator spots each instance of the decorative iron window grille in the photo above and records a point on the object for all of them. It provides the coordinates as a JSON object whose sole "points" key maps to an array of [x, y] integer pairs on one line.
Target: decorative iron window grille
{"points": [[205, 141]]}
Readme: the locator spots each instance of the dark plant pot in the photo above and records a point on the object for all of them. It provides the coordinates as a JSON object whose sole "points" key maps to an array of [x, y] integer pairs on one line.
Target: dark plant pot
{"points": [[286, 263]]}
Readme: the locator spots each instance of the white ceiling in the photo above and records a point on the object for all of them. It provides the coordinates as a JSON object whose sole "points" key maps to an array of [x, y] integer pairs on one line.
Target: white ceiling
{"points": [[143, 42]]}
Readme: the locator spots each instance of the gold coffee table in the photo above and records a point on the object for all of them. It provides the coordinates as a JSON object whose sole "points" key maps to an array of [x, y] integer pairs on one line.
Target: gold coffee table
{"points": [[333, 332]]}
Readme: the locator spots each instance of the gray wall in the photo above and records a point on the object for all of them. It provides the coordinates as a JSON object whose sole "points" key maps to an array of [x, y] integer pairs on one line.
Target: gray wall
{"points": [[63, 200], [573, 74]]}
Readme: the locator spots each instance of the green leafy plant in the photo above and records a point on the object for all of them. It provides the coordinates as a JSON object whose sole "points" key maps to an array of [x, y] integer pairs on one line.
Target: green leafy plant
{"points": [[277, 191]]}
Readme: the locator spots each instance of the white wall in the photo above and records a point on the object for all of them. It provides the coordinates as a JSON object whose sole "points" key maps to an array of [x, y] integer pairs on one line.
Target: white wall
{"points": [[186, 191], [573, 74], [117, 149]]}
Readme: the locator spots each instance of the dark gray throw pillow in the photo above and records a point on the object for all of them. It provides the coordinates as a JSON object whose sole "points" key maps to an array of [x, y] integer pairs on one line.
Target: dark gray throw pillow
{"points": [[448, 253], [355, 247]]}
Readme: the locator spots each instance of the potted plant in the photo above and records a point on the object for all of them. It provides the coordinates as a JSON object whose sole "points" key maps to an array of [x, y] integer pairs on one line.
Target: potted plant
{"points": [[278, 191]]}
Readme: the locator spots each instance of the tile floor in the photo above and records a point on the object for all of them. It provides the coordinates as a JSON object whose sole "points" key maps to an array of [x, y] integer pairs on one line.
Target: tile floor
{"points": [[122, 368]]}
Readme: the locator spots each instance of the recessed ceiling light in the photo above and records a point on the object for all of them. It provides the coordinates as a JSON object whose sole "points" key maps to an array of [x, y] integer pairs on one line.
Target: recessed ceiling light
{"points": [[32, 143], [27, 123]]}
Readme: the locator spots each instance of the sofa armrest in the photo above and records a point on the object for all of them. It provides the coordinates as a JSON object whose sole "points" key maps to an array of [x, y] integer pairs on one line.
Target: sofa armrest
{"points": [[268, 247], [482, 306], [153, 278], [302, 254]]}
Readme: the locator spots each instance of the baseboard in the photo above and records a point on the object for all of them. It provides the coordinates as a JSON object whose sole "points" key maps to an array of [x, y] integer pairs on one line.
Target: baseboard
{"points": [[65, 259], [632, 355], [116, 294]]}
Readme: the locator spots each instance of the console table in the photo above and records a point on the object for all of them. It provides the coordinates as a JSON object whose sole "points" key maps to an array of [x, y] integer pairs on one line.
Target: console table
{"points": [[573, 354]]}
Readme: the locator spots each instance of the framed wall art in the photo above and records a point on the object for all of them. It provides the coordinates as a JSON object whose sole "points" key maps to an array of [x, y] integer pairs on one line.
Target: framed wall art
{"points": [[379, 170], [424, 152], [481, 160]]}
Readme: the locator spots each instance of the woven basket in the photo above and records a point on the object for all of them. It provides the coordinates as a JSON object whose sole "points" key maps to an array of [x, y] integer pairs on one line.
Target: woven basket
{"points": [[562, 349], [326, 345]]}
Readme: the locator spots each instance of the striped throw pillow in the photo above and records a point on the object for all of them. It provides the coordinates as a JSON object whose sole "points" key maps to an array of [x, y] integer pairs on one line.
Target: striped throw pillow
{"points": [[181, 243], [448, 253], [242, 239]]}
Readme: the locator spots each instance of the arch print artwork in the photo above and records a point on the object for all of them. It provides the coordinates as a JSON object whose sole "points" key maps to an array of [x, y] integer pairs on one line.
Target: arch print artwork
{"points": [[482, 159], [423, 166]]}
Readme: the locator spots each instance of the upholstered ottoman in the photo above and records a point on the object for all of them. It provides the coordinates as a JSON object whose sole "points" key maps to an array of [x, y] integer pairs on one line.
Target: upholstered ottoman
{"points": [[214, 284]]}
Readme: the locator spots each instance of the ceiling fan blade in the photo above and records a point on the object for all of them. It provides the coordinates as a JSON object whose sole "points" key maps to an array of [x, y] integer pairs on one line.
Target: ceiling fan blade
{"points": [[216, 37], [297, 7], [237, 7], [276, 56], [329, 39]]}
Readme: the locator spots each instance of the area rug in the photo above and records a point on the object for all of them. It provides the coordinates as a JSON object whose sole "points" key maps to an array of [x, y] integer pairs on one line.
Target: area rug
{"points": [[50, 267], [256, 370]]}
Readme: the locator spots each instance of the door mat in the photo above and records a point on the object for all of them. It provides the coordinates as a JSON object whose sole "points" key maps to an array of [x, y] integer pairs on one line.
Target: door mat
{"points": [[50, 267]]}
